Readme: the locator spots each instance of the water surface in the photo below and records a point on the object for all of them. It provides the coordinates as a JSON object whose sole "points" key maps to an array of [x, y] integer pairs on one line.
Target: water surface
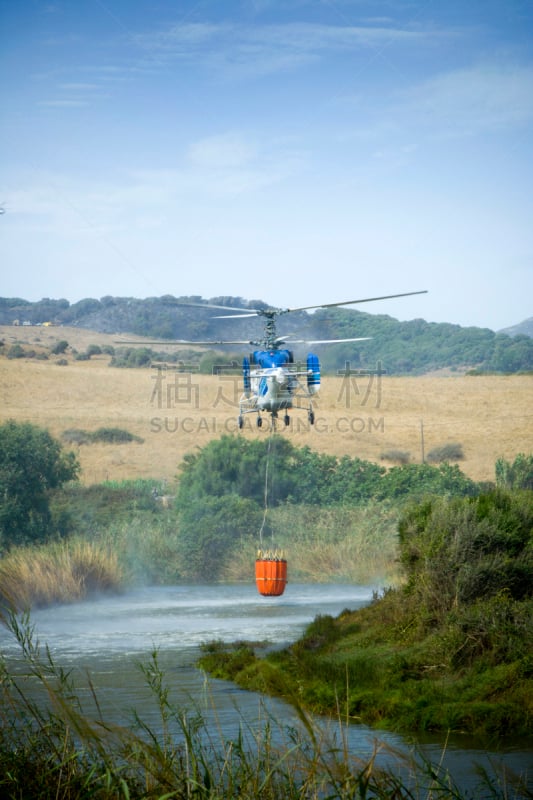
{"points": [[108, 637]]}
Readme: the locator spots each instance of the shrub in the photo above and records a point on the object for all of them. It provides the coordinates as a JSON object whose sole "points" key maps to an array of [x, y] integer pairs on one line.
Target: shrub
{"points": [[452, 451], [461, 551], [106, 435], [59, 348], [76, 436], [16, 351], [132, 357], [114, 436], [396, 456]]}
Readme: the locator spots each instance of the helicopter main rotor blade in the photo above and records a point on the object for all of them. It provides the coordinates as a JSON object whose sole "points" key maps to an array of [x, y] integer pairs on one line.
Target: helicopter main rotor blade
{"points": [[325, 341], [351, 302], [235, 316], [336, 341], [249, 311], [270, 312], [177, 342]]}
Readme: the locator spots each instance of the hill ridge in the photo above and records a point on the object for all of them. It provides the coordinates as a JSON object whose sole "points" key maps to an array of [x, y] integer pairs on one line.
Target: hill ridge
{"points": [[410, 347]]}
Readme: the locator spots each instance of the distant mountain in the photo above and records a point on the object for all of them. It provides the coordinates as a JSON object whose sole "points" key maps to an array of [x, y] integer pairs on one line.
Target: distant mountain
{"points": [[412, 347], [524, 328]]}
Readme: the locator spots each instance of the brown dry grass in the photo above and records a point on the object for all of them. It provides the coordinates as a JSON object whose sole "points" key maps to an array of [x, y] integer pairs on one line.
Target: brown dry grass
{"points": [[57, 573], [489, 416], [44, 338]]}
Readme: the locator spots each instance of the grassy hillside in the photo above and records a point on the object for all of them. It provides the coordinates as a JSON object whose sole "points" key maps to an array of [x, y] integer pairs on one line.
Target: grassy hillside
{"points": [[412, 347], [174, 413], [417, 346]]}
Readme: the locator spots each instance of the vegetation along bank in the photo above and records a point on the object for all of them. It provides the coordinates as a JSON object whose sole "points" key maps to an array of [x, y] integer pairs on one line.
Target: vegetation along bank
{"points": [[449, 647]]}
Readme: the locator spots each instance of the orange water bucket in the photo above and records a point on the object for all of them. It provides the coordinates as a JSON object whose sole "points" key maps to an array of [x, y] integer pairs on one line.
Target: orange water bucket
{"points": [[270, 575]]}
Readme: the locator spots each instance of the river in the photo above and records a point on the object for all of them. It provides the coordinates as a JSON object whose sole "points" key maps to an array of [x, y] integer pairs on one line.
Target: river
{"points": [[109, 636]]}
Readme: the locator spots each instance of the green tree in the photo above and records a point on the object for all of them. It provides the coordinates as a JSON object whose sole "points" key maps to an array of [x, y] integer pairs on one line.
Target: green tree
{"points": [[233, 465], [518, 475], [512, 354], [32, 464], [357, 480], [313, 476], [322, 479], [418, 480], [276, 471]]}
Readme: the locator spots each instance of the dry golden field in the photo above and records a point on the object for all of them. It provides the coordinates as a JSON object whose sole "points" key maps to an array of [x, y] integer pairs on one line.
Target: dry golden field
{"points": [[175, 413]]}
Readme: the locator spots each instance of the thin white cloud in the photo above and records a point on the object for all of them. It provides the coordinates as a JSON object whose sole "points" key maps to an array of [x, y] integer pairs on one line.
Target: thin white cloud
{"points": [[468, 101], [226, 150], [235, 163], [238, 50], [75, 95], [268, 48], [228, 165], [62, 103], [79, 87]]}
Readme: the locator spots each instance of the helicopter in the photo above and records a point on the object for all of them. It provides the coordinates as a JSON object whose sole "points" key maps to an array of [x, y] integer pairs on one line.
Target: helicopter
{"points": [[272, 381]]}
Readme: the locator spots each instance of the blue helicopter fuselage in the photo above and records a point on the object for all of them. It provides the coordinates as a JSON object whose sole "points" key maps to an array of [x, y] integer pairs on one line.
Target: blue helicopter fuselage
{"points": [[272, 380], [271, 358]]}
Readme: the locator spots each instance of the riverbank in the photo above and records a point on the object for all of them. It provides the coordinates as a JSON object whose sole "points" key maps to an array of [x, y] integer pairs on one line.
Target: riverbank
{"points": [[109, 733], [356, 666], [451, 650]]}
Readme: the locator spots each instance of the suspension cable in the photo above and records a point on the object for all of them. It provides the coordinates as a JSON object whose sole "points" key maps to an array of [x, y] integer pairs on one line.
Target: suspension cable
{"points": [[265, 510]]}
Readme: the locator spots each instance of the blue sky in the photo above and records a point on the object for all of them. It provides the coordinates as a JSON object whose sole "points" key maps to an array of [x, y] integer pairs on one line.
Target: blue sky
{"points": [[283, 150]]}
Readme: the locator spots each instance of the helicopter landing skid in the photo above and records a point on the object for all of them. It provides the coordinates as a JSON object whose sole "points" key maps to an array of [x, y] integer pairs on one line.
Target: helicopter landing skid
{"points": [[274, 417]]}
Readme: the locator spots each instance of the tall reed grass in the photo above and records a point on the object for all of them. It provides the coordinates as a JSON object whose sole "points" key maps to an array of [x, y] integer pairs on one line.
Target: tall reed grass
{"points": [[325, 544], [59, 572], [351, 545], [53, 746]]}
